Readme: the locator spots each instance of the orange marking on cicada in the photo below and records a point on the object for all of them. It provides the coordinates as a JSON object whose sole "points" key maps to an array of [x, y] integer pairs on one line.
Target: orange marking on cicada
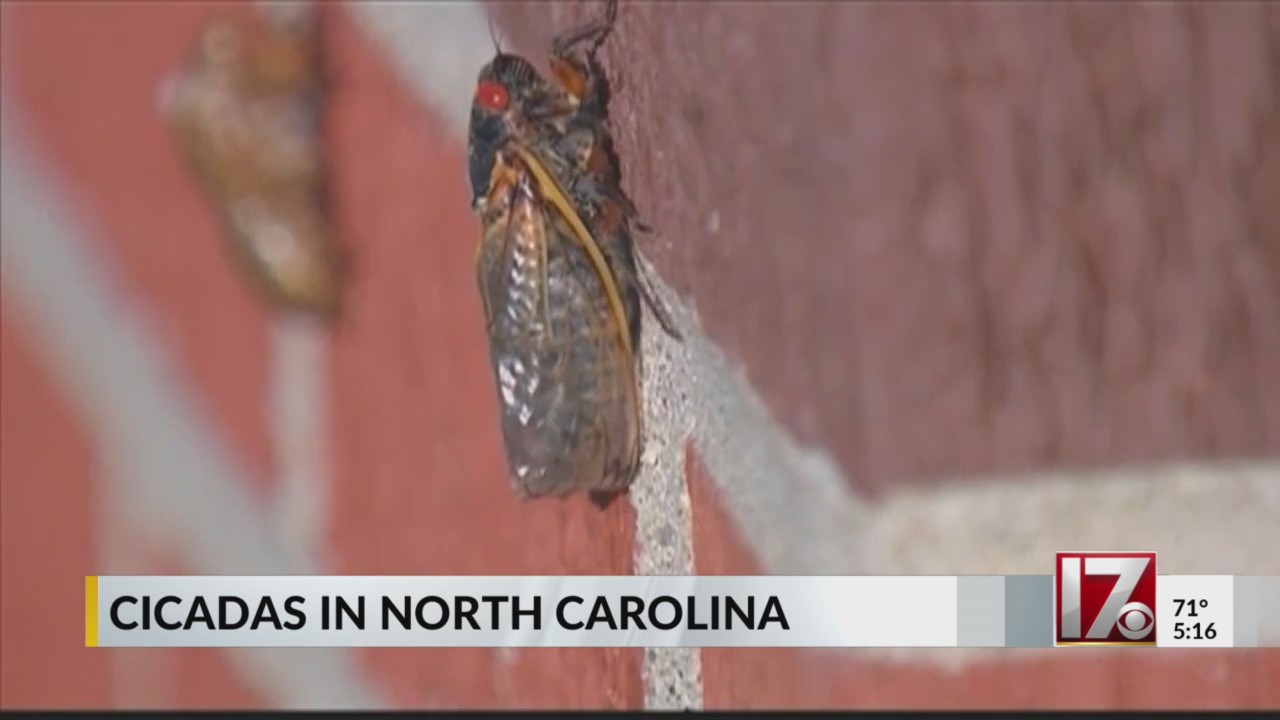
{"points": [[598, 161], [570, 76]]}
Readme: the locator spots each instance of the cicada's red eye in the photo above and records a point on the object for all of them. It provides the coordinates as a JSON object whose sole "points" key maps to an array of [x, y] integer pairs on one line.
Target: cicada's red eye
{"points": [[491, 96]]}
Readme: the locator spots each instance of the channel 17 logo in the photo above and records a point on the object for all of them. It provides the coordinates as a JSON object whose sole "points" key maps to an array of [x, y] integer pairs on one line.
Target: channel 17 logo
{"points": [[1105, 598]]}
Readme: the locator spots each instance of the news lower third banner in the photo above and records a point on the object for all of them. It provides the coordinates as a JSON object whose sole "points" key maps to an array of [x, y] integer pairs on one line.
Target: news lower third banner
{"points": [[1083, 604]]}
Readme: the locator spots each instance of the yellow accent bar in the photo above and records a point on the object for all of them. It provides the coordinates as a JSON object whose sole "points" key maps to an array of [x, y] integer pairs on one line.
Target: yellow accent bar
{"points": [[91, 611]]}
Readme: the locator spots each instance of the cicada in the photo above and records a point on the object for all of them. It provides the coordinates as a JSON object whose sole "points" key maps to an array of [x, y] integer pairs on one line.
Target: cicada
{"points": [[245, 109], [557, 272]]}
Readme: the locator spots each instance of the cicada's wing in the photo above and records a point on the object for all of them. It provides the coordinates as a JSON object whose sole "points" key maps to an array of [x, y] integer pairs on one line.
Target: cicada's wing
{"points": [[582, 163], [529, 368], [566, 386], [551, 193], [578, 150], [600, 254], [511, 260], [611, 389], [496, 224]]}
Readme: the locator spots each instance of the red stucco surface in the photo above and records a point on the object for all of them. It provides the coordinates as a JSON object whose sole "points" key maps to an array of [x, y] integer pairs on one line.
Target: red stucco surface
{"points": [[971, 236]]}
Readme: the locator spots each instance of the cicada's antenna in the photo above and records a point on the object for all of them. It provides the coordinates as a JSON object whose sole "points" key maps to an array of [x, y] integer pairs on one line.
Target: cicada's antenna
{"points": [[493, 34]]}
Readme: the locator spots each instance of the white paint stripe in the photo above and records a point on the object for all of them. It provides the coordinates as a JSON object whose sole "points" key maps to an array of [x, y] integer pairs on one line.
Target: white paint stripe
{"points": [[299, 422], [286, 12], [176, 477], [1202, 518], [143, 680], [298, 386]]}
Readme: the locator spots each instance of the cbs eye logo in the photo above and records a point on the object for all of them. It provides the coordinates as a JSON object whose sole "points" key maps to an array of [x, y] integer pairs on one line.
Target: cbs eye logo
{"points": [[1136, 621], [1105, 598]]}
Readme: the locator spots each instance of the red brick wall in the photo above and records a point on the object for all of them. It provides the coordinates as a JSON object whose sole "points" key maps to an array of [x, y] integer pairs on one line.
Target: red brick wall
{"points": [[416, 464]]}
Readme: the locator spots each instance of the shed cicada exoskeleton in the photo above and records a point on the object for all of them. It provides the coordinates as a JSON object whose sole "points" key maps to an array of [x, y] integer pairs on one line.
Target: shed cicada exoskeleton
{"points": [[246, 112]]}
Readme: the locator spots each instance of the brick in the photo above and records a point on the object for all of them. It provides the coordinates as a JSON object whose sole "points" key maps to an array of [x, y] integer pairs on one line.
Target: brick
{"points": [[1266, 670], [206, 681], [47, 538], [1190, 679]]}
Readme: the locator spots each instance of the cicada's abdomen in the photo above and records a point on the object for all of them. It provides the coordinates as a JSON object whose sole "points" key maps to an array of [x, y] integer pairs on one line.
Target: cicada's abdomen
{"points": [[245, 112], [566, 386]]}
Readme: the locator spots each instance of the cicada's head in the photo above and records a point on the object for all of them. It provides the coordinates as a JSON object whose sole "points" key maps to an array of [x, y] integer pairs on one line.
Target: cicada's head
{"points": [[508, 87]]}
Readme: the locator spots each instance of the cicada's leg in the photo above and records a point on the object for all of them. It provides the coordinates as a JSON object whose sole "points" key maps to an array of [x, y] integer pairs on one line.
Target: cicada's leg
{"points": [[483, 284], [614, 224], [575, 159], [602, 499], [582, 160], [555, 109], [574, 64], [592, 34], [660, 310]]}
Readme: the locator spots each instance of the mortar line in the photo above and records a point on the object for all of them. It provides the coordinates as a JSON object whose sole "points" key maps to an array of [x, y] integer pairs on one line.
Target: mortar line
{"points": [[663, 541]]}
